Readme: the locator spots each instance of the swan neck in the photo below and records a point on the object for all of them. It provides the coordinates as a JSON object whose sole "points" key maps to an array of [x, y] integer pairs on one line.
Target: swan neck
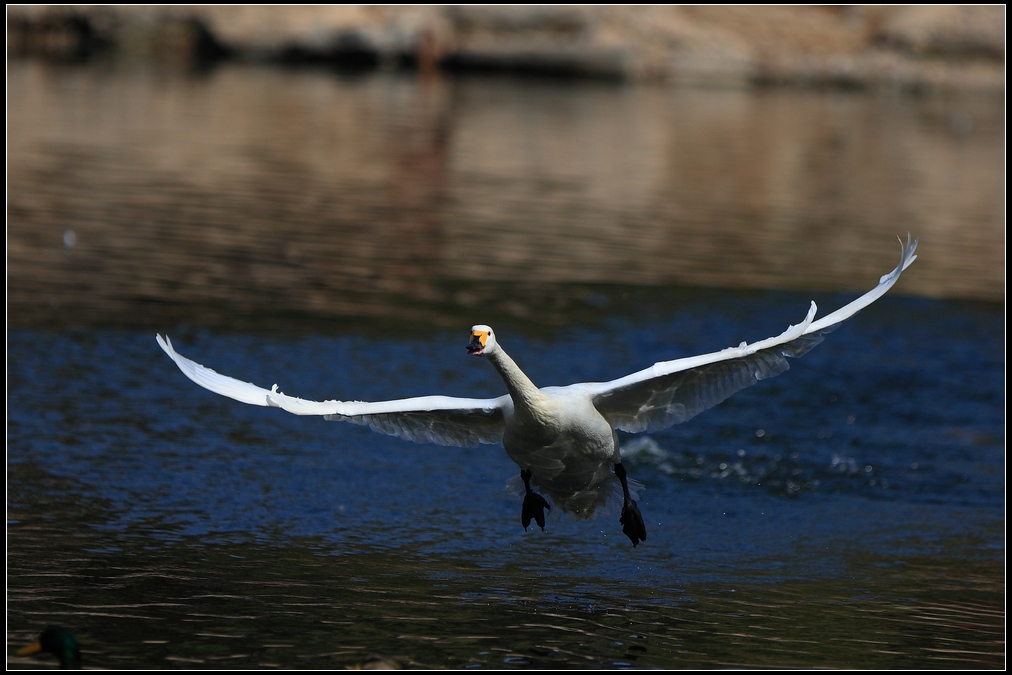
{"points": [[521, 389]]}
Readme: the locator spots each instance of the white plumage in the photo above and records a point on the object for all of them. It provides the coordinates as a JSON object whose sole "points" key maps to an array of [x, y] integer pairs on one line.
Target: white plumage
{"points": [[563, 438]]}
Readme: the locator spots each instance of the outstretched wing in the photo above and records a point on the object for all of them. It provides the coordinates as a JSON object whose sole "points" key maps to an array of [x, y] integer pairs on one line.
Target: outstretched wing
{"points": [[671, 392], [444, 420]]}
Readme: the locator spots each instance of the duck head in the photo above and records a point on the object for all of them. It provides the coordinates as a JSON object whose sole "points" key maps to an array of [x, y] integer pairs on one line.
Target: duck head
{"points": [[60, 643]]}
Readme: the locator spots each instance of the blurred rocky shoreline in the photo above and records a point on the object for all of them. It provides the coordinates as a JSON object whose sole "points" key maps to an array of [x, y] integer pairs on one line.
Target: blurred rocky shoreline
{"points": [[910, 48]]}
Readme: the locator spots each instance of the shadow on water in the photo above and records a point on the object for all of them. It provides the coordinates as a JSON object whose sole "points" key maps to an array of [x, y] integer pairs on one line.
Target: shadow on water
{"points": [[338, 236]]}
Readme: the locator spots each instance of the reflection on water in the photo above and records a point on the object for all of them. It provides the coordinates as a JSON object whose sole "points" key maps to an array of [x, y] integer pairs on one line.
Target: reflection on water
{"points": [[849, 513], [254, 191]]}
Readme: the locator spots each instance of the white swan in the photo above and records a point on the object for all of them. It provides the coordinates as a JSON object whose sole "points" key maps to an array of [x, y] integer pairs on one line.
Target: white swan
{"points": [[564, 438]]}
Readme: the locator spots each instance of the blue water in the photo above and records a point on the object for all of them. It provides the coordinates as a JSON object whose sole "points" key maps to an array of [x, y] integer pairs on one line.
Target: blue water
{"points": [[879, 454]]}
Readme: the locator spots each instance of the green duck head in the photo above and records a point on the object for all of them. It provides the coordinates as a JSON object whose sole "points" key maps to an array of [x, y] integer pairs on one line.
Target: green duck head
{"points": [[59, 642]]}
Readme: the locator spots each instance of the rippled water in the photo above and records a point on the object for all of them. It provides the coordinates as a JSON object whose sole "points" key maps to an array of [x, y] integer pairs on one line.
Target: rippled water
{"points": [[846, 514], [849, 513]]}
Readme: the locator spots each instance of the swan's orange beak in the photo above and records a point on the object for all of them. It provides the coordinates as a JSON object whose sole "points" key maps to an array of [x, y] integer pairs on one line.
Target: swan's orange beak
{"points": [[477, 345]]}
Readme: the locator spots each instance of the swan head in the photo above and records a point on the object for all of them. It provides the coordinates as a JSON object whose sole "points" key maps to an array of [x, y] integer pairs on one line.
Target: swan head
{"points": [[482, 341]]}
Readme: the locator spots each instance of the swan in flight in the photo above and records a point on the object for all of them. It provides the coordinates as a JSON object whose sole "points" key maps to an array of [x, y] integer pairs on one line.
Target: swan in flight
{"points": [[564, 439]]}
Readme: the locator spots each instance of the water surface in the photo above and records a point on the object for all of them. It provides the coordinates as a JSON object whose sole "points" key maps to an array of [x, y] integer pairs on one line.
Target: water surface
{"points": [[134, 191], [339, 236]]}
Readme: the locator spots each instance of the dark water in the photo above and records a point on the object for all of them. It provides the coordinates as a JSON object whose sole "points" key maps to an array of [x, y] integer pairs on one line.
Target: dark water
{"points": [[849, 513]]}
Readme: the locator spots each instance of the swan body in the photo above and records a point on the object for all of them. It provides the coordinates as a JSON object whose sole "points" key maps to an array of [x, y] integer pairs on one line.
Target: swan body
{"points": [[564, 438]]}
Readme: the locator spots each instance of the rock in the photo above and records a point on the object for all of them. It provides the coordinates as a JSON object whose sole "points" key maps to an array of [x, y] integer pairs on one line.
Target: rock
{"points": [[922, 48], [945, 31]]}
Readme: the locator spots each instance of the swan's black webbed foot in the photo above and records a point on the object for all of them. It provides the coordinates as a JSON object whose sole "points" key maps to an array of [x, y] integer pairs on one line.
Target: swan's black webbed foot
{"points": [[632, 522], [534, 504]]}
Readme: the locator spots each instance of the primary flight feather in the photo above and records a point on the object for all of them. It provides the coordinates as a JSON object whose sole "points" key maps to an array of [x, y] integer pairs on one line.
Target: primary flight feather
{"points": [[564, 438]]}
